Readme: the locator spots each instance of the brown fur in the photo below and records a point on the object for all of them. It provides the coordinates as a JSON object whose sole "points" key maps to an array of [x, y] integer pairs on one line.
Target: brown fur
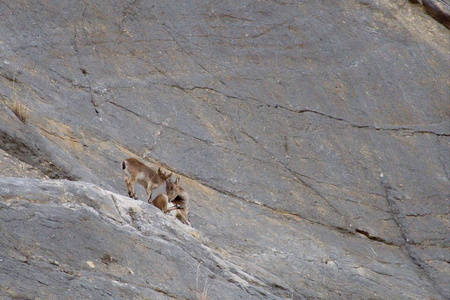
{"points": [[136, 171], [179, 197], [162, 202]]}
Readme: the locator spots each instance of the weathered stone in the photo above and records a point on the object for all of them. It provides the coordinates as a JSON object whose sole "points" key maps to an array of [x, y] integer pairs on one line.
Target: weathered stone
{"points": [[438, 9], [312, 137], [12, 167], [54, 242]]}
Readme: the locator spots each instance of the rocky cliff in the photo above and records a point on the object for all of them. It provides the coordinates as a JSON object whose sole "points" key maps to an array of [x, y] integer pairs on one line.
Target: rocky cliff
{"points": [[312, 137]]}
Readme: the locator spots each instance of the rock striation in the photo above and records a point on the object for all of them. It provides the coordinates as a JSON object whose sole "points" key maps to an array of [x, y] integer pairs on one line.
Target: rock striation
{"points": [[66, 240], [312, 137]]}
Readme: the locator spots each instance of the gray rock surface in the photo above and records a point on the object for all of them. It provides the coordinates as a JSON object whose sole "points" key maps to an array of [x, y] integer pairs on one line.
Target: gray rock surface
{"points": [[438, 9], [73, 240], [312, 137], [10, 166]]}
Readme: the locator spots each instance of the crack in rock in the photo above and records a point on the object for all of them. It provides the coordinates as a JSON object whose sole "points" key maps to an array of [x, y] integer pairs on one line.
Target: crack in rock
{"points": [[83, 69], [372, 127], [392, 196]]}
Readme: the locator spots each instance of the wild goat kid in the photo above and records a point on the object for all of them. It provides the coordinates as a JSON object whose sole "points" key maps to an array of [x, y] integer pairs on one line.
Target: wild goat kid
{"points": [[176, 199], [136, 171], [162, 202]]}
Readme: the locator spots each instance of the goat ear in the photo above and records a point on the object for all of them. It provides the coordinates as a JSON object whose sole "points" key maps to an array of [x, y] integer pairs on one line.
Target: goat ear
{"points": [[170, 175], [177, 181], [159, 170]]}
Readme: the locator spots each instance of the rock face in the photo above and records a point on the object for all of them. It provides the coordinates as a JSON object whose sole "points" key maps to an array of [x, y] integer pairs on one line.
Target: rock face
{"points": [[438, 9], [312, 137], [76, 240]]}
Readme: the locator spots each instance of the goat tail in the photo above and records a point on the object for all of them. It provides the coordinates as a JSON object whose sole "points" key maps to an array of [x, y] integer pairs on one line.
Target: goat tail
{"points": [[124, 165]]}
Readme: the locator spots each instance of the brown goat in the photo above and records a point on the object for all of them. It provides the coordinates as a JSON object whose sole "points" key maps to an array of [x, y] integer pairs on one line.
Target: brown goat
{"points": [[162, 202], [180, 198], [136, 171]]}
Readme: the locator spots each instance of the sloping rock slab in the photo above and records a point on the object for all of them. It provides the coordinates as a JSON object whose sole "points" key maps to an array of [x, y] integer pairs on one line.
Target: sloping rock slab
{"points": [[72, 240]]}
